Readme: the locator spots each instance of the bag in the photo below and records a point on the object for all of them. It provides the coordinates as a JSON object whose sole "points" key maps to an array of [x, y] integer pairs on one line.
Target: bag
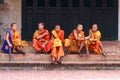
{"points": [[57, 42]]}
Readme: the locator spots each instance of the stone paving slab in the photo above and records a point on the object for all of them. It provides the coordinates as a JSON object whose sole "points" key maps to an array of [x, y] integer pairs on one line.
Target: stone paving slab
{"points": [[59, 75]]}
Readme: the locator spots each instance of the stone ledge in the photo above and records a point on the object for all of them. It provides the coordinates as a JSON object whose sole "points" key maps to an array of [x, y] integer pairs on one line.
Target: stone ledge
{"points": [[64, 66]]}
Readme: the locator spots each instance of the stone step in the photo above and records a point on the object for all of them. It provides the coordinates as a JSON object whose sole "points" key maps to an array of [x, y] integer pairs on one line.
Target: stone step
{"points": [[40, 65], [108, 46], [66, 58], [70, 61]]}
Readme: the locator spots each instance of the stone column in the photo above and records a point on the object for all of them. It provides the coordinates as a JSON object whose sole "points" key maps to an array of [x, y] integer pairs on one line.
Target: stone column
{"points": [[10, 12]]}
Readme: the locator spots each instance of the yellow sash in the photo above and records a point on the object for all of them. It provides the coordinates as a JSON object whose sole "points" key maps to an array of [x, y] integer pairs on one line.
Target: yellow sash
{"points": [[56, 42]]}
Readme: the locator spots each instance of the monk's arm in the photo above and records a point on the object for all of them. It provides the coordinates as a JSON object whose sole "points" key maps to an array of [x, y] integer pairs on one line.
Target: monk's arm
{"points": [[37, 36], [7, 39], [40, 36], [76, 37], [46, 40]]}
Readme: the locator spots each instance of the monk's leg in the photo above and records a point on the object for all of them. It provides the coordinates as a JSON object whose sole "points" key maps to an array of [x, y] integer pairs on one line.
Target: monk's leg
{"points": [[101, 47], [81, 46], [19, 50], [53, 60], [87, 50], [60, 53], [48, 46], [53, 55], [37, 45]]}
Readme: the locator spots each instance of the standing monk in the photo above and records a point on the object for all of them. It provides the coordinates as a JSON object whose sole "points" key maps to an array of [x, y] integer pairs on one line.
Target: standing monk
{"points": [[13, 41], [94, 42], [76, 40], [41, 40], [58, 42]]}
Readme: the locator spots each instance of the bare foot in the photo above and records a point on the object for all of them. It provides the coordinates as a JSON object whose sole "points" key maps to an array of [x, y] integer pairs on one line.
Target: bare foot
{"points": [[105, 55]]}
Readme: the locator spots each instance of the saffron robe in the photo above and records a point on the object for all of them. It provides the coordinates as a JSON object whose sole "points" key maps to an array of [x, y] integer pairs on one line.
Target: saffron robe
{"points": [[94, 46], [37, 44], [58, 42], [73, 44]]}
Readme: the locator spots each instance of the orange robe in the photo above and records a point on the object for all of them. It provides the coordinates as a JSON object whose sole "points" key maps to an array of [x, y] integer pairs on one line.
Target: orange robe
{"points": [[57, 50], [16, 40], [94, 46], [37, 44], [73, 44]]}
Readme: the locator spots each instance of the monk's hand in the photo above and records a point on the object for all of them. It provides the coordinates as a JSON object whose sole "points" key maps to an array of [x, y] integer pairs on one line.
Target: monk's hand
{"points": [[38, 37], [86, 38], [91, 40], [10, 45], [43, 46]]}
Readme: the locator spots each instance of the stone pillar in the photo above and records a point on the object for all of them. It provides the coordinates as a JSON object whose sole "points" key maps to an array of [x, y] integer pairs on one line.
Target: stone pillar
{"points": [[10, 12]]}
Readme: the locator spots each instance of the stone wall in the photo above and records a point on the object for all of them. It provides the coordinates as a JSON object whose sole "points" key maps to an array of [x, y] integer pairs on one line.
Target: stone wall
{"points": [[10, 11]]}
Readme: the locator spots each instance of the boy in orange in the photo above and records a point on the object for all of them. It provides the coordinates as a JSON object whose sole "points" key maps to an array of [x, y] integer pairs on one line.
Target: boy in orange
{"points": [[94, 42], [41, 40], [58, 42], [76, 40]]}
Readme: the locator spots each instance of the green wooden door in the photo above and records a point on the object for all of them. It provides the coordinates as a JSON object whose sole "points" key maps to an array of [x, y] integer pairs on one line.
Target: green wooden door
{"points": [[68, 13]]}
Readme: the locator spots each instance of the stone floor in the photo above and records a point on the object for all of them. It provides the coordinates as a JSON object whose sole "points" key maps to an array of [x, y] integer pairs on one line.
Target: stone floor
{"points": [[112, 48], [59, 75]]}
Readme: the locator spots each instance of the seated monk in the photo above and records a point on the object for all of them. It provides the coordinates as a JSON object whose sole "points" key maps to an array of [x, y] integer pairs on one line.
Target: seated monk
{"points": [[58, 41], [41, 39], [76, 41], [94, 42], [13, 41]]}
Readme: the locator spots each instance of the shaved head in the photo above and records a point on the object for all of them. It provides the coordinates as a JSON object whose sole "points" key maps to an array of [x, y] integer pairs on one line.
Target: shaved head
{"points": [[13, 26], [57, 28], [41, 26], [95, 27], [80, 27]]}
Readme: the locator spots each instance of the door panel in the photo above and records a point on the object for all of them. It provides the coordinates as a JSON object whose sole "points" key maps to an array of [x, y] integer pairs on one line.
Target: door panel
{"points": [[69, 13]]}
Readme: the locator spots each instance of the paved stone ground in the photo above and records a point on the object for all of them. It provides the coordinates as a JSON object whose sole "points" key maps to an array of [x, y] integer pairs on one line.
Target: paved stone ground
{"points": [[59, 75]]}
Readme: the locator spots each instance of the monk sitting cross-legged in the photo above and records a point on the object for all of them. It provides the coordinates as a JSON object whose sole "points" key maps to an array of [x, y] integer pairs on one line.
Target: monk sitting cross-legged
{"points": [[76, 40], [58, 41], [41, 40], [94, 42]]}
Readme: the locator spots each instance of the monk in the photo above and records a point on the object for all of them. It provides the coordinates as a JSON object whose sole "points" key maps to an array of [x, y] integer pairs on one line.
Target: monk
{"points": [[58, 42], [41, 39], [76, 40], [13, 41], [95, 44]]}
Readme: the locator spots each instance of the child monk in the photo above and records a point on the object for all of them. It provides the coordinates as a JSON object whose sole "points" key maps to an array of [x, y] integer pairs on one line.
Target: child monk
{"points": [[13, 41], [76, 40], [58, 42], [41, 39], [95, 44]]}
